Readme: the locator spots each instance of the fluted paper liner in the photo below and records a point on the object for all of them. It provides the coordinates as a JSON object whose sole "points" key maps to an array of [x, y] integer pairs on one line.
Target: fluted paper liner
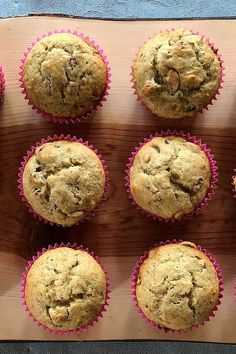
{"points": [[90, 113], [2, 85], [134, 278], [213, 167], [210, 102], [31, 152], [84, 328], [234, 289]]}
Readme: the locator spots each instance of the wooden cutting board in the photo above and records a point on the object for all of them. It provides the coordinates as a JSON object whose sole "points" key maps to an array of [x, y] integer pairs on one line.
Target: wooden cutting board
{"points": [[119, 233]]}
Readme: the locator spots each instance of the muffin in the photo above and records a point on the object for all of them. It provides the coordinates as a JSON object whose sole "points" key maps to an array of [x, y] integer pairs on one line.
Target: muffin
{"points": [[64, 75], [63, 181], [234, 183], [169, 177], [65, 289], [176, 74], [177, 286]]}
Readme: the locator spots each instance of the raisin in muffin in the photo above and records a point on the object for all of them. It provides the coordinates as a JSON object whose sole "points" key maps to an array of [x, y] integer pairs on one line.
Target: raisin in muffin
{"points": [[169, 177], [176, 74], [65, 289], [177, 286], [64, 75], [63, 181]]}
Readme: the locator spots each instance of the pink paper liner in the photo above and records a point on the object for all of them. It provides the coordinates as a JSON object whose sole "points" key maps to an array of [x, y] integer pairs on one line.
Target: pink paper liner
{"points": [[233, 189], [134, 277], [31, 152], [234, 289], [210, 102], [213, 167], [2, 85], [91, 112], [84, 328]]}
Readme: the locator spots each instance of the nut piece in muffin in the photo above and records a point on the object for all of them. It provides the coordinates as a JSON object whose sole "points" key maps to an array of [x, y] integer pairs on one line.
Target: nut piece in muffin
{"points": [[63, 181], [65, 289], [176, 74], [177, 286], [64, 75], [169, 177]]}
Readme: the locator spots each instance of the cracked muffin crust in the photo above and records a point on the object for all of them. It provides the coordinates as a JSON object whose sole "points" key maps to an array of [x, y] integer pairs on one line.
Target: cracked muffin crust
{"points": [[64, 75], [177, 286], [65, 288], [176, 74], [169, 177], [63, 181]]}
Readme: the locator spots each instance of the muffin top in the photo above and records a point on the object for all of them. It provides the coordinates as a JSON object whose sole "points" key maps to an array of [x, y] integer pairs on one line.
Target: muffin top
{"points": [[64, 75], [65, 288], [170, 176], [63, 180], [176, 74], [177, 286]]}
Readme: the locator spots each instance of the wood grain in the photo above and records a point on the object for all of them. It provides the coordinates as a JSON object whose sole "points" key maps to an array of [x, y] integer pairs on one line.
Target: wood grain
{"points": [[119, 233]]}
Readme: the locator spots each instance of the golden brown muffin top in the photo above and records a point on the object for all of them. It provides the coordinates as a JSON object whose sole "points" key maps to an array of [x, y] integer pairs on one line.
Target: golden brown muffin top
{"points": [[169, 176], [176, 74], [65, 288], [64, 75], [63, 181], [177, 286]]}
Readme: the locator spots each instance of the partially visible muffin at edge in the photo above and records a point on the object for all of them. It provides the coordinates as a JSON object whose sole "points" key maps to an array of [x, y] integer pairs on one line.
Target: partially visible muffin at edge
{"points": [[170, 177], [234, 183], [64, 75], [63, 181], [176, 74], [177, 286], [65, 289], [2, 85]]}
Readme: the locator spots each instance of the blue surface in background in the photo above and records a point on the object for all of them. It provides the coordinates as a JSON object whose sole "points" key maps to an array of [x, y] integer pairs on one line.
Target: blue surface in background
{"points": [[131, 9]]}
